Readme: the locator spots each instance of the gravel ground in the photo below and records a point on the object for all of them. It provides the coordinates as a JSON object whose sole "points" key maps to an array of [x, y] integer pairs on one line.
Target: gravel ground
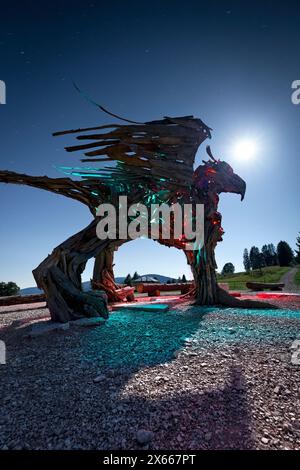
{"points": [[190, 378], [288, 280]]}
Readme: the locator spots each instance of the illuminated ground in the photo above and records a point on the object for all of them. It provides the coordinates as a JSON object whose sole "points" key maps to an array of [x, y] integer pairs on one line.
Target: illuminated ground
{"points": [[196, 378]]}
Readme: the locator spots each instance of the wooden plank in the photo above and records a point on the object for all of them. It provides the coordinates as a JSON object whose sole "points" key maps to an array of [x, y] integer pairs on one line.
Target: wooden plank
{"points": [[19, 299]]}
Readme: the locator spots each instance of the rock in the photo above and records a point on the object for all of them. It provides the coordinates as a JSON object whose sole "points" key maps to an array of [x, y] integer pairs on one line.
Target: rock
{"points": [[277, 389], [264, 440], [43, 327], [143, 436], [224, 354], [99, 378], [93, 321]]}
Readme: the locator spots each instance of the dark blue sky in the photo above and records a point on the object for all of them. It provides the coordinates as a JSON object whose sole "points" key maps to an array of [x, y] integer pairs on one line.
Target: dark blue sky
{"points": [[229, 63]]}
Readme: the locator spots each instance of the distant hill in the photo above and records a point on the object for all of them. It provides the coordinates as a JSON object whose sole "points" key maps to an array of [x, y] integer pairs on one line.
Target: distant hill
{"points": [[34, 290], [162, 279], [87, 285], [30, 290]]}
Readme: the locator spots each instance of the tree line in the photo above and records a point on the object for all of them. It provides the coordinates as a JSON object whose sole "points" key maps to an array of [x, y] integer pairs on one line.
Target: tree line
{"points": [[268, 255], [283, 255], [8, 288]]}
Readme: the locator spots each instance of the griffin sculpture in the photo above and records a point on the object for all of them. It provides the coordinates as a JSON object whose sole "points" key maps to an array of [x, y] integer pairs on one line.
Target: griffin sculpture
{"points": [[151, 161]]}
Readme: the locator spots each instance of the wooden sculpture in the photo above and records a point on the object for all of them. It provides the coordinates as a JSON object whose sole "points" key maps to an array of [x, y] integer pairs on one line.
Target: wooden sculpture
{"points": [[150, 162]]}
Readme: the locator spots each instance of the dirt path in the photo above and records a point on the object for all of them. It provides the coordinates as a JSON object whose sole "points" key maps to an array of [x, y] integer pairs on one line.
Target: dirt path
{"points": [[288, 280]]}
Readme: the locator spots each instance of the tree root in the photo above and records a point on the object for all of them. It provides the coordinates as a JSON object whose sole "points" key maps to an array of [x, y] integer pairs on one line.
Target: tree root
{"points": [[224, 298]]}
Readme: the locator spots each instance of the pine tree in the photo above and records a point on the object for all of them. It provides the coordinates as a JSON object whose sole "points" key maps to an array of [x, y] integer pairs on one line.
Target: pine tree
{"points": [[261, 262], [267, 255], [247, 264], [135, 276], [273, 254], [183, 279], [128, 280], [254, 257], [297, 258], [284, 253]]}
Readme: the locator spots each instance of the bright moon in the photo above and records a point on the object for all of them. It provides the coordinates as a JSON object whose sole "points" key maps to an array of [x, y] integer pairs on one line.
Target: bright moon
{"points": [[245, 149]]}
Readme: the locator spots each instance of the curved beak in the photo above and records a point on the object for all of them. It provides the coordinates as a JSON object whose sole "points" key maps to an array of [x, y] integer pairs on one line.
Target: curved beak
{"points": [[238, 186], [243, 190]]}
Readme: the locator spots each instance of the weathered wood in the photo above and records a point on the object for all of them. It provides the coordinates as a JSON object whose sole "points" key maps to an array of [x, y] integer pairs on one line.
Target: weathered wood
{"points": [[257, 286], [59, 275], [78, 190], [158, 140], [145, 288], [22, 299], [150, 157]]}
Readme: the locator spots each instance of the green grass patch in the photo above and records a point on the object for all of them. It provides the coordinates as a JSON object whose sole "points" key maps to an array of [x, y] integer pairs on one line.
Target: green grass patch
{"points": [[268, 274], [297, 277]]}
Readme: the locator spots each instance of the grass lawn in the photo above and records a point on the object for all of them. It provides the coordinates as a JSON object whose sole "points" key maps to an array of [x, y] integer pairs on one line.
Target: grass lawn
{"points": [[297, 277], [269, 274]]}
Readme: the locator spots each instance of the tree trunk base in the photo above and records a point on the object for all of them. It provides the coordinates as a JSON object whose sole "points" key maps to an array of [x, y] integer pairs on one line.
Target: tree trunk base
{"points": [[65, 301], [230, 301], [224, 299]]}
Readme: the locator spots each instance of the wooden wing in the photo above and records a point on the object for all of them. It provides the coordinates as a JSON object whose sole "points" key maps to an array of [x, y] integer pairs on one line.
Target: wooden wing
{"points": [[157, 152]]}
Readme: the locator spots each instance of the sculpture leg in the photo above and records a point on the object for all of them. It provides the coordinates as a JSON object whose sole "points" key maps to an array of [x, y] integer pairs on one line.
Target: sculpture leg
{"points": [[203, 269], [59, 275], [105, 261], [207, 291]]}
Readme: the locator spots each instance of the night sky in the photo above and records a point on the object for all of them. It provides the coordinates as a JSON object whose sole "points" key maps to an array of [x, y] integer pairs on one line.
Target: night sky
{"points": [[229, 63]]}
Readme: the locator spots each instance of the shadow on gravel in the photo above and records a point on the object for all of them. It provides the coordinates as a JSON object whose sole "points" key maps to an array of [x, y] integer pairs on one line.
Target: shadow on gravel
{"points": [[140, 339], [219, 419], [54, 374]]}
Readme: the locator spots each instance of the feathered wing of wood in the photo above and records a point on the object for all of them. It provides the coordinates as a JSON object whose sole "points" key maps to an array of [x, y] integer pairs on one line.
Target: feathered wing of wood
{"points": [[79, 190], [150, 153], [144, 158]]}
